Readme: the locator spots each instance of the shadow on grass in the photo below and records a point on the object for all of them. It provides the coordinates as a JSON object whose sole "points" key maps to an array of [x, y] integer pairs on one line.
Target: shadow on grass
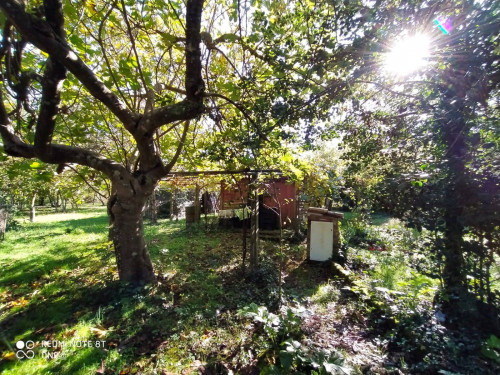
{"points": [[200, 281], [380, 218], [31, 269], [303, 281], [95, 224], [45, 318]]}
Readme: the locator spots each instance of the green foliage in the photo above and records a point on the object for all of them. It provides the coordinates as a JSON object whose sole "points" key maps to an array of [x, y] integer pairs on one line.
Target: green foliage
{"points": [[282, 353], [491, 348], [391, 270], [298, 359], [426, 157], [276, 327]]}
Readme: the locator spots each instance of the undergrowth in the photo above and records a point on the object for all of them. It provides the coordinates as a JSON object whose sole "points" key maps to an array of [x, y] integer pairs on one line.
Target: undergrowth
{"points": [[373, 315]]}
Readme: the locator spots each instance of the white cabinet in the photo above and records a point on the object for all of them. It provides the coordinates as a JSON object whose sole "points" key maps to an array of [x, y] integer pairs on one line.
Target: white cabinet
{"points": [[323, 236], [321, 240]]}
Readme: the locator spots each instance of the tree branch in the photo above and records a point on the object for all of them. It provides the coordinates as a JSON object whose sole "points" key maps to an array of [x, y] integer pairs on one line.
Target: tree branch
{"points": [[194, 81], [187, 109], [54, 74], [56, 154], [43, 37], [132, 42], [105, 54], [387, 88], [184, 110], [241, 109], [172, 162], [87, 183]]}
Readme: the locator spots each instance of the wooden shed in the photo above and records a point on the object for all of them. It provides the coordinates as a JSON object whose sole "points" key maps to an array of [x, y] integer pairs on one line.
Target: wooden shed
{"points": [[276, 193]]}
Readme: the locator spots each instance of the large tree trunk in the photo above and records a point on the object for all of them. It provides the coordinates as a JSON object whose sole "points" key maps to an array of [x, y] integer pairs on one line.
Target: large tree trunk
{"points": [[154, 208], [126, 232], [454, 264]]}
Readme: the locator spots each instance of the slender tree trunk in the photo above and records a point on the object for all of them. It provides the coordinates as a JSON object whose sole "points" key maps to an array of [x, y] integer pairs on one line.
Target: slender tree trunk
{"points": [[489, 261], [176, 207], [51, 200], [454, 129], [32, 208], [126, 232], [254, 242], [197, 208], [57, 203], [171, 205], [244, 234]]}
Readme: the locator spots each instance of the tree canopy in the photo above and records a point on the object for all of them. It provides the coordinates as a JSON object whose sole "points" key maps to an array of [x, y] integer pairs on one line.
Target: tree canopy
{"points": [[135, 89]]}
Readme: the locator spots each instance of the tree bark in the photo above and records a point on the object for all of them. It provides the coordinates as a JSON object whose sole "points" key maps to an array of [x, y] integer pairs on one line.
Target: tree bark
{"points": [[197, 208], [32, 208], [63, 204], [129, 192], [254, 244], [153, 208], [453, 130], [126, 232]]}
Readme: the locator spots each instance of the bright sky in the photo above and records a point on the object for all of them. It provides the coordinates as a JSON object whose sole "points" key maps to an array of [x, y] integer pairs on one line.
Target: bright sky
{"points": [[407, 55]]}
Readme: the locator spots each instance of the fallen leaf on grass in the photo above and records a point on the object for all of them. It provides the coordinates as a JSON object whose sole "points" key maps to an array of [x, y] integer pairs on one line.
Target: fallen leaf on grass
{"points": [[133, 370], [69, 333], [9, 356], [98, 332], [20, 302], [4, 295], [101, 369]]}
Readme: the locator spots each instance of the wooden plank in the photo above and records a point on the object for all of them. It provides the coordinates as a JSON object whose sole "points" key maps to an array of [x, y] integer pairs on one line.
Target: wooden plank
{"points": [[317, 210], [321, 218], [335, 214], [215, 173], [309, 239]]}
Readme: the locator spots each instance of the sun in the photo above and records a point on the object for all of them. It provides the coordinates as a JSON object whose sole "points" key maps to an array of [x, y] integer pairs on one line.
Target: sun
{"points": [[407, 55]]}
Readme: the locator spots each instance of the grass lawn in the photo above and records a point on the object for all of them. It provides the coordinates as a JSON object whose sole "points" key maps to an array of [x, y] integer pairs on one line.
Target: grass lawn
{"points": [[59, 283]]}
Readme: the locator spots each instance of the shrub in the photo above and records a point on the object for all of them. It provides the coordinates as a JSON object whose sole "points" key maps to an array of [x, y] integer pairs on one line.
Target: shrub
{"points": [[280, 350]]}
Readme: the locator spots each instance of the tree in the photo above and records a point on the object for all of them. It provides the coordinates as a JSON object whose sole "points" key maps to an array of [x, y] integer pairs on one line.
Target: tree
{"points": [[429, 141], [22, 181], [29, 33], [98, 84]]}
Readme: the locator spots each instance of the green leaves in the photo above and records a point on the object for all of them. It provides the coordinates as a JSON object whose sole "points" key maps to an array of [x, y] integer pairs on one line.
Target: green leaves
{"points": [[491, 348], [286, 359], [78, 43]]}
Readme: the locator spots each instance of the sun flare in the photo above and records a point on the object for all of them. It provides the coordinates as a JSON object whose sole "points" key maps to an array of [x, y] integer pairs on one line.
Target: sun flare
{"points": [[407, 55]]}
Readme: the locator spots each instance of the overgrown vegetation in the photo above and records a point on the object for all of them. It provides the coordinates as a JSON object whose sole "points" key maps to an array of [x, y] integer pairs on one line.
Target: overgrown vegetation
{"points": [[203, 315]]}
